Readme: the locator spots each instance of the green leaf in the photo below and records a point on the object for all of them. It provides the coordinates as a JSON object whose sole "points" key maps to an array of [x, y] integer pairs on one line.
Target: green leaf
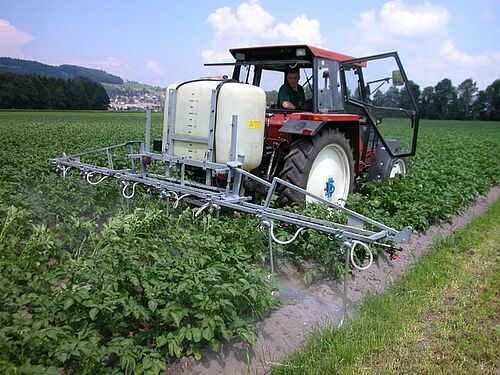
{"points": [[189, 332], [174, 349], [248, 335], [226, 333], [215, 345], [147, 362], [197, 354], [127, 364], [68, 303], [177, 316], [93, 313], [208, 333], [152, 304], [161, 341], [253, 293], [196, 334]]}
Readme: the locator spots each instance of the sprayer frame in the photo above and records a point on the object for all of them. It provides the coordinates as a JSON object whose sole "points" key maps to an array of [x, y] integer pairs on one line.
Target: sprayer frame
{"points": [[212, 198]]}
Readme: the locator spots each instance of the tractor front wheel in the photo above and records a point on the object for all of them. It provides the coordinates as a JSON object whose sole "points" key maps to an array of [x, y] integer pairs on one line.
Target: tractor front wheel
{"points": [[399, 168], [322, 165]]}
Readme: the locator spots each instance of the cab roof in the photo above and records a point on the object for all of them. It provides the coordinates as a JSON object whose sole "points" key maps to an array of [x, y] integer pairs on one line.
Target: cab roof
{"points": [[286, 52]]}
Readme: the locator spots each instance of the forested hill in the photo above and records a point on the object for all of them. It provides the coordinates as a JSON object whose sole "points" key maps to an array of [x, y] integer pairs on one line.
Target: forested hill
{"points": [[17, 66]]}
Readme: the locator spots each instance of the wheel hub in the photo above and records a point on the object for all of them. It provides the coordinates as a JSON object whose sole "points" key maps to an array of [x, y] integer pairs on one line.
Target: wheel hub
{"points": [[330, 175], [329, 188]]}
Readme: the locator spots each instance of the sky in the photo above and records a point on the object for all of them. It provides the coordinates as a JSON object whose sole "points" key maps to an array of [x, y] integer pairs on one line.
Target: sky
{"points": [[162, 42]]}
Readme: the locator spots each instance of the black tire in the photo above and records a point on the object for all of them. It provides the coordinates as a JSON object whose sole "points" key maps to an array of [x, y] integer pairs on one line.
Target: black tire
{"points": [[301, 158], [385, 167]]}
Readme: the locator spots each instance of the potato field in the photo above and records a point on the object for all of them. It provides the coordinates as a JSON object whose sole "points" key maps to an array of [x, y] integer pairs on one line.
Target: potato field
{"points": [[94, 283]]}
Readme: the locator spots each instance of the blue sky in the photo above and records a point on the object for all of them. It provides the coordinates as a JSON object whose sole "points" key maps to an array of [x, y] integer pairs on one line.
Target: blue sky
{"points": [[160, 42]]}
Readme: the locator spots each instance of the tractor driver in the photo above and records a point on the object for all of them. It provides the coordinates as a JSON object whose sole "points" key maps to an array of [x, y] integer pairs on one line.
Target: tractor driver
{"points": [[291, 94]]}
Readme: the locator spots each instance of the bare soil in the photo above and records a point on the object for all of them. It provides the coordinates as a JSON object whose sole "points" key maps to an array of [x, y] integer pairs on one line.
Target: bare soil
{"points": [[307, 308]]}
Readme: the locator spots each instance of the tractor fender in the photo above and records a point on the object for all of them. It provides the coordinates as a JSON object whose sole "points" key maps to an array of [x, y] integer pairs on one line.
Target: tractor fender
{"points": [[302, 127], [381, 166]]}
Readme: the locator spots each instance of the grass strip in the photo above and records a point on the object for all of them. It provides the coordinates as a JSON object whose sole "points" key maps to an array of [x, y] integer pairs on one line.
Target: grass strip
{"points": [[441, 317]]}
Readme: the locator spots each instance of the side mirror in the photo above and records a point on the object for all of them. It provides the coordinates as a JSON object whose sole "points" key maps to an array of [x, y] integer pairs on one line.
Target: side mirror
{"points": [[397, 78], [368, 90]]}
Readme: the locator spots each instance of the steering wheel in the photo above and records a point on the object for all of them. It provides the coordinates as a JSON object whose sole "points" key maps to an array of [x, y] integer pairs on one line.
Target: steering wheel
{"points": [[307, 105]]}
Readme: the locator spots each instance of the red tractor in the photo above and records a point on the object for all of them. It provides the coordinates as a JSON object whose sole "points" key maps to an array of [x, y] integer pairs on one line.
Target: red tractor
{"points": [[223, 137], [334, 138]]}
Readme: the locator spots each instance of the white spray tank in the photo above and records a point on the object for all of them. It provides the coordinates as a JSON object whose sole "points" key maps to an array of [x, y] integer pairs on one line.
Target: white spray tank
{"points": [[192, 119]]}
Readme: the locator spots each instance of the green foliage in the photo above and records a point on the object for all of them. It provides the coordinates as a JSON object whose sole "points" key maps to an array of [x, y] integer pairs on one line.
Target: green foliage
{"points": [[445, 101], [313, 247], [36, 92], [455, 163], [145, 289], [90, 287], [271, 97], [95, 284]]}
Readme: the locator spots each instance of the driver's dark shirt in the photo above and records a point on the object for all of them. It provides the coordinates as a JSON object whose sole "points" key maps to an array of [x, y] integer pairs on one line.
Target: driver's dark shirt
{"points": [[287, 94]]}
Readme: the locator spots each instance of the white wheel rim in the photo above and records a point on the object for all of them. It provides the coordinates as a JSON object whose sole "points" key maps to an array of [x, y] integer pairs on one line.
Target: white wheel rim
{"points": [[332, 161], [398, 169]]}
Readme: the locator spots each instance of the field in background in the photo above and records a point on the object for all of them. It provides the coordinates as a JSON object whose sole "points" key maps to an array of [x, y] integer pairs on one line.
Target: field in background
{"points": [[93, 282]]}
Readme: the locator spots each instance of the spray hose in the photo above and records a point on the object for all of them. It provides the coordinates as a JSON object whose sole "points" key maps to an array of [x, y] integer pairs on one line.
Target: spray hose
{"points": [[368, 250], [125, 186], [280, 241], [178, 199], [89, 176]]}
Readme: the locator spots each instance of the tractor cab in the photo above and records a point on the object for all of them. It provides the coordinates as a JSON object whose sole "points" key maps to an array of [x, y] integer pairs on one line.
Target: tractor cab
{"points": [[333, 83], [319, 74], [365, 101]]}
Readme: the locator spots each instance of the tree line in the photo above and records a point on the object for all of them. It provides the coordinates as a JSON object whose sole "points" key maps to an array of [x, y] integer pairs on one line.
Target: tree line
{"points": [[36, 92], [445, 101]]}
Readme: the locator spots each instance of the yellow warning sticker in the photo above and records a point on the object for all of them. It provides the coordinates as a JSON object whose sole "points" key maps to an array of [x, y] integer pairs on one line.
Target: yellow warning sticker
{"points": [[254, 124]]}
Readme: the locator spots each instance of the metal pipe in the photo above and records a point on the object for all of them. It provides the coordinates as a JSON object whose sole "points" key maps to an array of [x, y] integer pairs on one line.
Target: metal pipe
{"points": [[346, 247], [147, 137], [270, 243]]}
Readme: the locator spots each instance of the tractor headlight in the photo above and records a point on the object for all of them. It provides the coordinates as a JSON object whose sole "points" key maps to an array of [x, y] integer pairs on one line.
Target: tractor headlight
{"points": [[301, 52]]}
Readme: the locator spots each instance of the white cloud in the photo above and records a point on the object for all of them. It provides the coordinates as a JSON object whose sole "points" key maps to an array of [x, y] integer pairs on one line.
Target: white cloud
{"points": [[449, 52], [156, 68], [447, 61], [398, 20], [496, 57], [419, 32], [405, 20], [110, 64], [301, 29], [211, 55], [368, 32], [253, 25], [151, 72], [12, 39]]}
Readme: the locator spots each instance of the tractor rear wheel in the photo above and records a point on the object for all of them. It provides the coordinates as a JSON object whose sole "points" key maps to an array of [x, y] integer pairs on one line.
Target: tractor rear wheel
{"points": [[322, 165]]}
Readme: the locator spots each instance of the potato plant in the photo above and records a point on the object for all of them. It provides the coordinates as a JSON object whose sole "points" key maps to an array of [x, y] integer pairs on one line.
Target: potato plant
{"points": [[92, 283], [456, 162]]}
